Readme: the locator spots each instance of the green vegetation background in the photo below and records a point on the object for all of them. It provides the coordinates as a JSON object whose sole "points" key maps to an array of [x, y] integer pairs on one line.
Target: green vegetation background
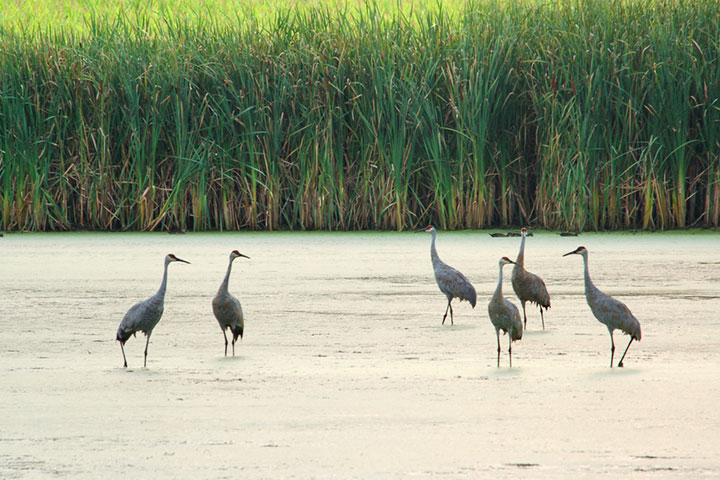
{"points": [[587, 114]]}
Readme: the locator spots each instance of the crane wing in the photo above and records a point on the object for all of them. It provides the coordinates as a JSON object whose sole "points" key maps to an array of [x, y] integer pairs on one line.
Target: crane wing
{"points": [[513, 311], [614, 314], [142, 316], [530, 287], [227, 309], [455, 284], [514, 320]]}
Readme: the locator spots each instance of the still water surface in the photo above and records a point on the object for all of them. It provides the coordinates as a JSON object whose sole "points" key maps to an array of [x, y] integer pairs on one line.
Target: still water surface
{"points": [[345, 370]]}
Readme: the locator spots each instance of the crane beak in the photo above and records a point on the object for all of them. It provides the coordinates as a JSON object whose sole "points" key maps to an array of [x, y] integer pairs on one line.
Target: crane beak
{"points": [[570, 253], [181, 260], [241, 255]]}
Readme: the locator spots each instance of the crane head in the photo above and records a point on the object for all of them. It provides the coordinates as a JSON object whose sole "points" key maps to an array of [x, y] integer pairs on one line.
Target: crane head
{"points": [[428, 229], [173, 258], [505, 261], [578, 251], [235, 254], [523, 230]]}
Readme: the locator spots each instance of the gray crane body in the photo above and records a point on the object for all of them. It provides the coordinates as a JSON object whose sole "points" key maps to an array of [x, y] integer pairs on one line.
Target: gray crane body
{"points": [[504, 315], [450, 281], [145, 315], [142, 317], [610, 312], [227, 309], [527, 286]]}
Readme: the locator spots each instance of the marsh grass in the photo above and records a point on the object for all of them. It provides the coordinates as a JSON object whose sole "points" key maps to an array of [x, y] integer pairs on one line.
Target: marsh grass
{"points": [[580, 115]]}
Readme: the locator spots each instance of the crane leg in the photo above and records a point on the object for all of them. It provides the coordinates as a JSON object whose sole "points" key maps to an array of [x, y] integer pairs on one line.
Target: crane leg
{"points": [[123, 352], [226, 342], [542, 317], [524, 316], [147, 342], [449, 308], [510, 348], [233, 344], [497, 333], [612, 349], [626, 349]]}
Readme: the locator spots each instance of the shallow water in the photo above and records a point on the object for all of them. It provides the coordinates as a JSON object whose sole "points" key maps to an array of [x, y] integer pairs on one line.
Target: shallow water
{"points": [[345, 370]]}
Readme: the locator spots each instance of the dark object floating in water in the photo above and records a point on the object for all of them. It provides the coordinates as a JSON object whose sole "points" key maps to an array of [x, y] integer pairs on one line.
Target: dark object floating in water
{"points": [[2, 235], [569, 234], [176, 232], [497, 235], [523, 465]]}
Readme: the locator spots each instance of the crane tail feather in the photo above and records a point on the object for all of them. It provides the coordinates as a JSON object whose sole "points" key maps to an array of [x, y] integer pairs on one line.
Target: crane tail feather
{"points": [[123, 336], [517, 332], [237, 332], [471, 296]]}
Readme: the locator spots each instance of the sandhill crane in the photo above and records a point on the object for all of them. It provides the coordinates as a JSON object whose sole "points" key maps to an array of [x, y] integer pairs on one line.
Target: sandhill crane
{"points": [[529, 287], [607, 310], [504, 315], [451, 282], [227, 308], [143, 316]]}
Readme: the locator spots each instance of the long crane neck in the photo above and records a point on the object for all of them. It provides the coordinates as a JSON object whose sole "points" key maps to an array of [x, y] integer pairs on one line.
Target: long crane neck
{"points": [[226, 280], [497, 296], [521, 254], [163, 286], [433, 252], [589, 285]]}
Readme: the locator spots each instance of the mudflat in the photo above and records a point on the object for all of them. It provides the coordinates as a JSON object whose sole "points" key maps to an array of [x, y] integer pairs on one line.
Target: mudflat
{"points": [[344, 370]]}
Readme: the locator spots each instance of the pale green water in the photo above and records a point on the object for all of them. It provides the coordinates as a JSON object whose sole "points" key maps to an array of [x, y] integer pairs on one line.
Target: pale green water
{"points": [[345, 370]]}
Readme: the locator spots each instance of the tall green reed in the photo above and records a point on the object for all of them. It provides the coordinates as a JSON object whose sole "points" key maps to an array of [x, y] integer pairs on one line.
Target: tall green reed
{"points": [[584, 115]]}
